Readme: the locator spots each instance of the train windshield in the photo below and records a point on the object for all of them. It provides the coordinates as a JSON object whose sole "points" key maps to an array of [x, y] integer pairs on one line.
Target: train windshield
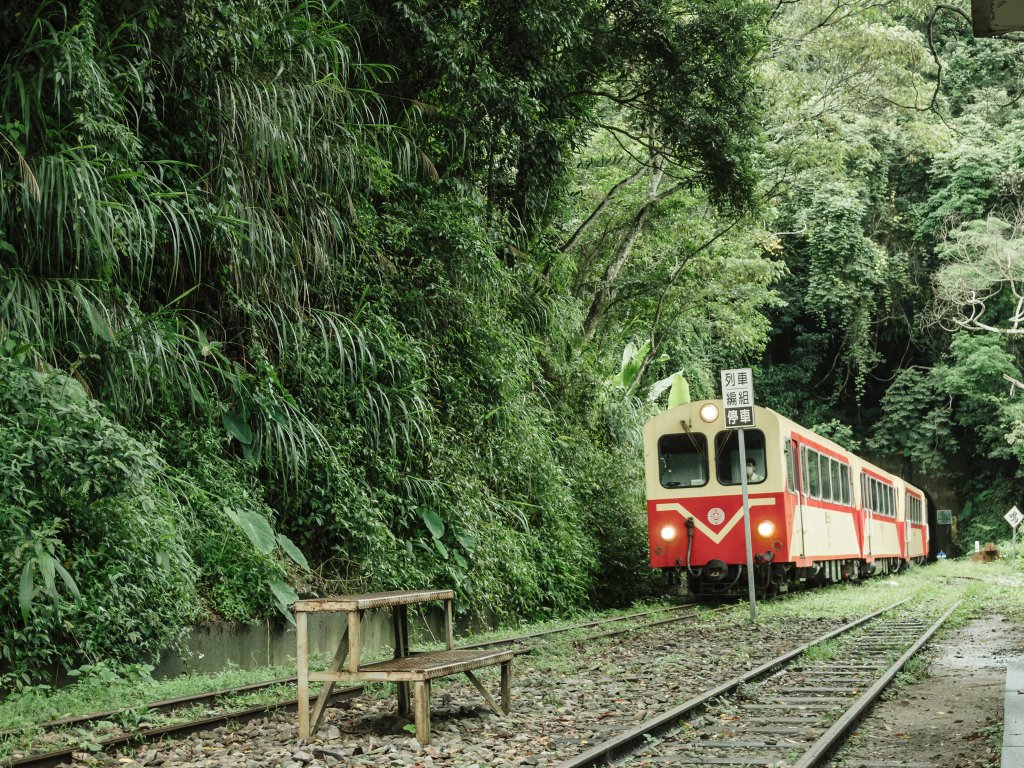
{"points": [[683, 460], [727, 457]]}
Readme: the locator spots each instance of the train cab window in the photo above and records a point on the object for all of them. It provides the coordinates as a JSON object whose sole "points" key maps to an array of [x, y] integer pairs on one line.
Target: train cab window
{"points": [[683, 460], [727, 456], [813, 486]]}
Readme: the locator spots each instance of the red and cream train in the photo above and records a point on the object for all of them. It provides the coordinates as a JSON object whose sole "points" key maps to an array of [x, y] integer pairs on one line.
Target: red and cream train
{"points": [[818, 512]]}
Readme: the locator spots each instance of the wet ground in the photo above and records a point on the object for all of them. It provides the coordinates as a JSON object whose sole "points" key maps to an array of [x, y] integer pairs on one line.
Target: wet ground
{"points": [[951, 719]]}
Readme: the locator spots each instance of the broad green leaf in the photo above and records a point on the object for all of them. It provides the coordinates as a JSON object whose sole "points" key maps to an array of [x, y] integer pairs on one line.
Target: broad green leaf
{"points": [[467, 540], [433, 522], [680, 392], [25, 590], [46, 567], [285, 596], [441, 548], [99, 323], [237, 426], [258, 530], [292, 551], [70, 582]]}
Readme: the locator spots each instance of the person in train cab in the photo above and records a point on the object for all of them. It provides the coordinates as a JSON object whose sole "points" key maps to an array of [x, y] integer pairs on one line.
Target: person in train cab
{"points": [[752, 474]]}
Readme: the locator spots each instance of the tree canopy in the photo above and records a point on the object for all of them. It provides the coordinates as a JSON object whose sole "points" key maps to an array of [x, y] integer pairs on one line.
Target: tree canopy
{"points": [[332, 296]]}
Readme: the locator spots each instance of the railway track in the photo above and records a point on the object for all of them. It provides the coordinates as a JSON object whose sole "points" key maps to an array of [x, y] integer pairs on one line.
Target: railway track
{"points": [[792, 712], [147, 734]]}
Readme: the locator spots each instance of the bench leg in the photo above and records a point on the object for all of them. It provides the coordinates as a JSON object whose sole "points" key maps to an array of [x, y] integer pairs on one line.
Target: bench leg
{"points": [[484, 693], [403, 699], [506, 687], [423, 711], [325, 692], [302, 672], [401, 626]]}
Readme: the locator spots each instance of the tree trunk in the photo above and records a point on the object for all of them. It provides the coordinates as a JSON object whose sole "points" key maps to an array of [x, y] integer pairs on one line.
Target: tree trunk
{"points": [[606, 290]]}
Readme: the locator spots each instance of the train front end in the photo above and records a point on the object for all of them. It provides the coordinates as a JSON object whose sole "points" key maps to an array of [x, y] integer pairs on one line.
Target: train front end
{"points": [[694, 471]]}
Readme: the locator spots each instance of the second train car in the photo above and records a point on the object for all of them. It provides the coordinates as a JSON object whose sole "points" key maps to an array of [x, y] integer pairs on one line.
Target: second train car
{"points": [[818, 512]]}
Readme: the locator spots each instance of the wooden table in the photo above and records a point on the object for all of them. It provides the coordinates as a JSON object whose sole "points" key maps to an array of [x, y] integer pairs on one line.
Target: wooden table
{"points": [[406, 667]]}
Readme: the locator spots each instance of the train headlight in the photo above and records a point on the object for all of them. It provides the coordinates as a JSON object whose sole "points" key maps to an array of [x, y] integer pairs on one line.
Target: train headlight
{"points": [[709, 412], [766, 529], [668, 533]]}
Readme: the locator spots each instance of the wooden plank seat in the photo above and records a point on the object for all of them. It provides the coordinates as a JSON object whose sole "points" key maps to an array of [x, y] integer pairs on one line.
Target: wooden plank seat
{"points": [[421, 668], [406, 667]]}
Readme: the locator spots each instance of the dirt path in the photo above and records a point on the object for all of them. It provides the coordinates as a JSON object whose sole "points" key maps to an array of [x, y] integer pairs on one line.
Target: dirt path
{"points": [[952, 719]]}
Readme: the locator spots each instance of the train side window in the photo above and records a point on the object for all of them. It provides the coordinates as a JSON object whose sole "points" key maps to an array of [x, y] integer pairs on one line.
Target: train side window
{"points": [[790, 486], [837, 487], [683, 460], [844, 473], [804, 470], [875, 505], [813, 487], [888, 501], [727, 456], [826, 483]]}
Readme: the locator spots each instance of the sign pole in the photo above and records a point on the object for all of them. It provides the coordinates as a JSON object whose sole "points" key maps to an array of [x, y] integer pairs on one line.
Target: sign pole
{"points": [[746, 527], [1014, 517]]}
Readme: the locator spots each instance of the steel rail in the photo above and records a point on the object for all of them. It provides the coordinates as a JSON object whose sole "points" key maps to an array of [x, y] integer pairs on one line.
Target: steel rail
{"points": [[56, 757], [154, 706], [830, 740], [624, 742], [199, 698]]}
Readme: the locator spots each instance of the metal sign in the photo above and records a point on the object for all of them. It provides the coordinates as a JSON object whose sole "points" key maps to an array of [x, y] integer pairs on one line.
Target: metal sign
{"points": [[1014, 517], [944, 516], [738, 398]]}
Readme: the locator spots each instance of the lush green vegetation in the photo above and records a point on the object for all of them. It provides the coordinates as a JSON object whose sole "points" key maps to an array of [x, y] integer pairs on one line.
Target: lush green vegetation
{"points": [[334, 296]]}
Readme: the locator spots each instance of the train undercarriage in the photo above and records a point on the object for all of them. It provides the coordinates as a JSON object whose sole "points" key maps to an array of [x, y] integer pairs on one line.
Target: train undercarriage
{"points": [[720, 579]]}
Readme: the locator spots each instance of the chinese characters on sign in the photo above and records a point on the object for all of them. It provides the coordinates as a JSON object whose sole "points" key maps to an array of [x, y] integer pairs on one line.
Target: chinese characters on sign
{"points": [[738, 398], [1014, 517]]}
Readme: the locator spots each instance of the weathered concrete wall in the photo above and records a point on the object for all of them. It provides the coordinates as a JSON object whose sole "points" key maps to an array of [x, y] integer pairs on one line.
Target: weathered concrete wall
{"points": [[211, 648]]}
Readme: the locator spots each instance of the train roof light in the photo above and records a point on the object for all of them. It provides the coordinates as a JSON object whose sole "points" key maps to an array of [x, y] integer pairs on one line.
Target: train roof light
{"points": [[709, 412]]}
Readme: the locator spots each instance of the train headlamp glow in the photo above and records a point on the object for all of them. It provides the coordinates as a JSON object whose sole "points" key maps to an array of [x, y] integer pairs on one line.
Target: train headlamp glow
{"points": [[668, 533], [709, 412], [766, 529]]}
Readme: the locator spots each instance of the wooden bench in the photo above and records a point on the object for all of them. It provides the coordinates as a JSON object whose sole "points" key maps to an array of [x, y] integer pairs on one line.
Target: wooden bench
{"points": [[406, 667]]}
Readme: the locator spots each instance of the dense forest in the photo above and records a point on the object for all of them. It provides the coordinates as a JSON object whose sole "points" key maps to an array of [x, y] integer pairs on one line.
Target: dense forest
{"points": [[311, 297]]}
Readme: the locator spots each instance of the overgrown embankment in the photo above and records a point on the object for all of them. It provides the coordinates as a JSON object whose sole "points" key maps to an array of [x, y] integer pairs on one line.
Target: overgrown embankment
{"points": [[282, 309]]}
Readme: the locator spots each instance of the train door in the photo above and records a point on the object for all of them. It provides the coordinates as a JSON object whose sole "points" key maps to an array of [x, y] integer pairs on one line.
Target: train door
{"points": [[797, 459], [867, 506], [908, 529]]}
